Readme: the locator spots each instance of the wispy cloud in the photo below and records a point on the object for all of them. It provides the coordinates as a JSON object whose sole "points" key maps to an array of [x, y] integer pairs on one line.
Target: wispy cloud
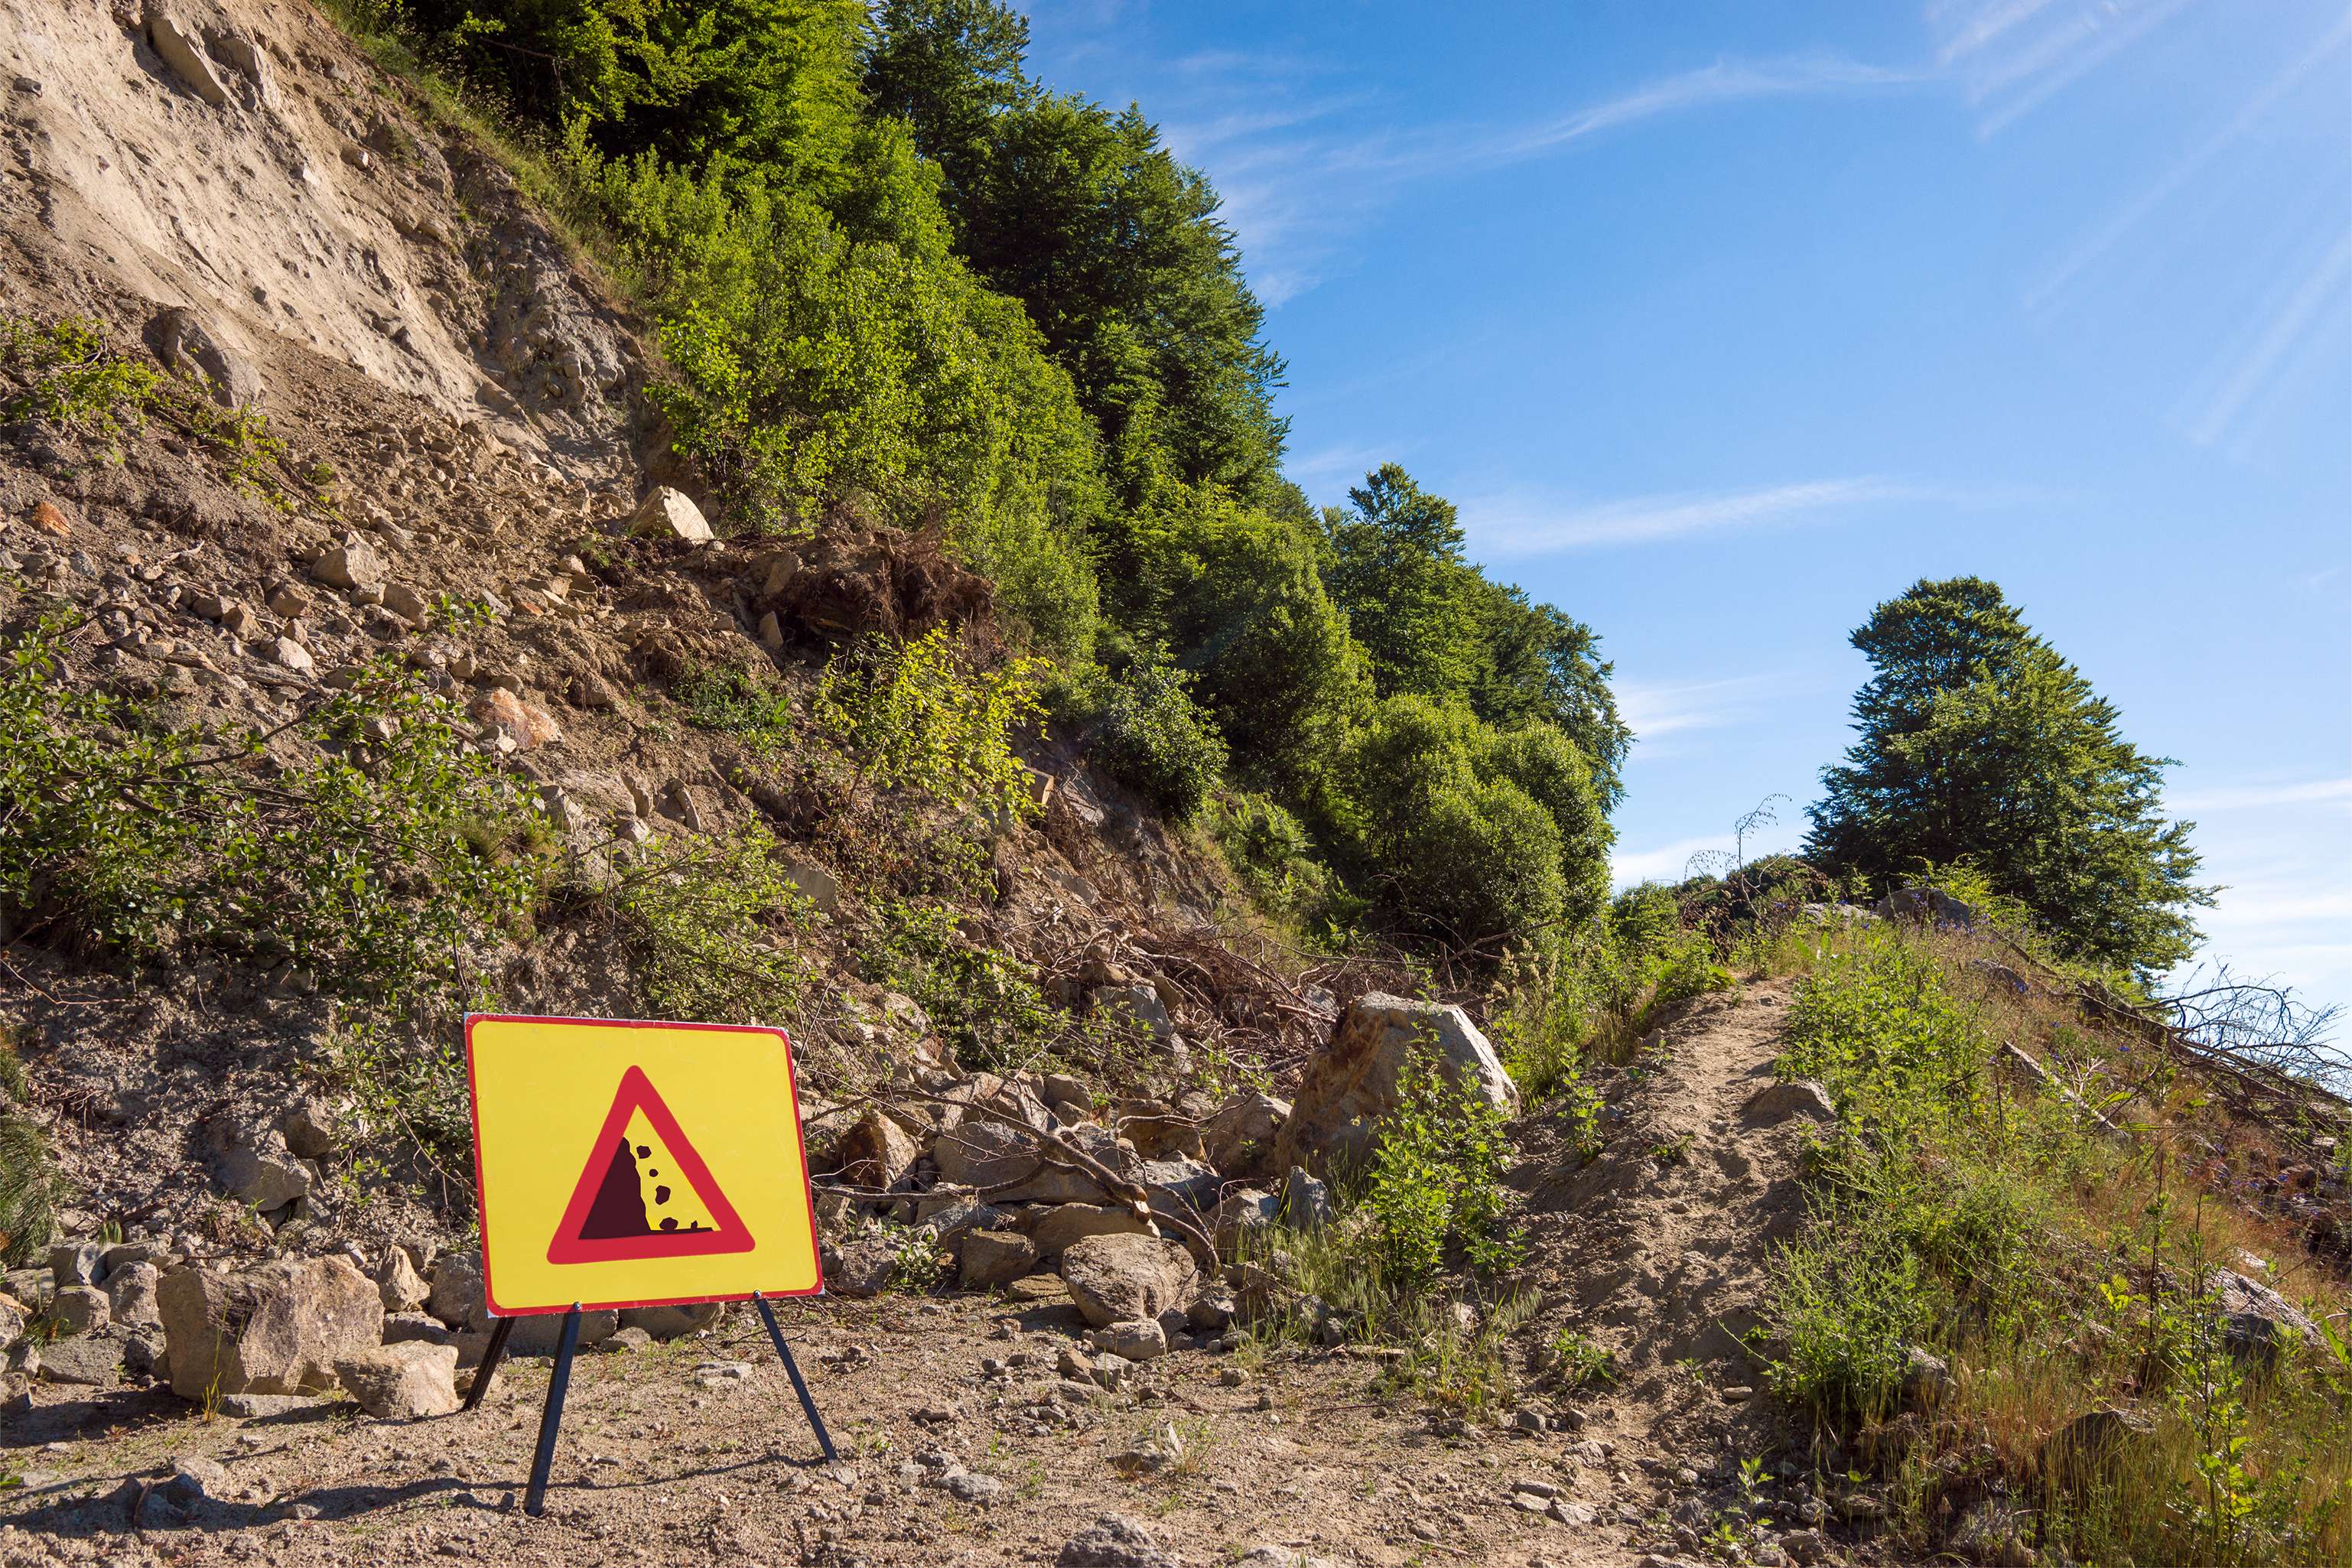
{"points": [[1655, 709], [2264, 796], [1302, 177], [1520, 526], [2012, 56], [1665, 862]]}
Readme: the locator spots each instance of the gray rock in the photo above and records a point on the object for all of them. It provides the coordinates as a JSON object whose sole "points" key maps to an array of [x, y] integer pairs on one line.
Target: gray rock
{"points": [[1926, 1379], [966, 1485], [1140, 1005], [407, 602], [191, 344], [309, 1128], [1244, 1210], [261, 1172], [1179, 1188], [985, 1156], [1306, 1201], [278, 1328], [88, 1361], [405, 1328], [993, 1257], [1057, 1229], [259, 1407], [667, 514], [81, 1308], [862, 1268], [627, 1339], [75, 1263], [538, 1333], [457, 1297], [129, 1293], [398, 1284], [1923, 905], [11, 1324], [1135, 1339], [349, 562], [2256, 1321], [875, 1153], [404, 1382], [1353, 1082], [674, 1322], [177, 43], [1114, 1541], [1114, 1278], [1779, 1103]]}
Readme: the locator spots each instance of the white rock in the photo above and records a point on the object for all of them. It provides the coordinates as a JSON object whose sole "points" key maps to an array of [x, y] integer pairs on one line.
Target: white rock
{"points": [[667, 514]]}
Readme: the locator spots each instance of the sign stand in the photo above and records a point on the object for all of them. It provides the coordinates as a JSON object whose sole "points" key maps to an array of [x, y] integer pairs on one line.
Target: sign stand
{"points": [[559, 1384]]}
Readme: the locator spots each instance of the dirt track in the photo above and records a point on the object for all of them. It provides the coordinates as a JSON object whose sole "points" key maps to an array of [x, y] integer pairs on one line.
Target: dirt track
{"points": [[1654, 1253]]}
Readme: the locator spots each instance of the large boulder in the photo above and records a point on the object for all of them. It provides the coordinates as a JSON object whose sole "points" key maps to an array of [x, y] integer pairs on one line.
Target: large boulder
{"points": [[457, 1297], [278, 1328], [1925, 906], [993, 1257], [1114, 1278], [404, 1382], [2256, 1321], [875, 1153], [1354, 1082], [674, 1322], [1059, 1229], [667, 514]]}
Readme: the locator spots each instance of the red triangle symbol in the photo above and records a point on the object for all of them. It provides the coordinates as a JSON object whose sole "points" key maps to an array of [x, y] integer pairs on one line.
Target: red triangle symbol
{"points": [[609, 1219]]}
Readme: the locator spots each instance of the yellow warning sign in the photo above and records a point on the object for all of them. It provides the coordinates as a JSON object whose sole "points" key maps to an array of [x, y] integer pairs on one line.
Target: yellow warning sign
{"points": [[631, 1165]]}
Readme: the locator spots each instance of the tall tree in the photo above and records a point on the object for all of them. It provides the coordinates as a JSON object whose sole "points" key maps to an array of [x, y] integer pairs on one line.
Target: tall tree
{"points": [[1978, 742], [948, 67], [1397, 569]]}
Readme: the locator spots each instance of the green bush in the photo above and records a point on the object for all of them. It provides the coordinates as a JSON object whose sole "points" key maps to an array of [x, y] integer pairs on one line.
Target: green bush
{"points": [[69, 376], [372, 860], [920, 718], [1276, 861], [707, 924], [1435, 1184], [726, 698], [985, 1004], [28, 1180], [1154, 736]]}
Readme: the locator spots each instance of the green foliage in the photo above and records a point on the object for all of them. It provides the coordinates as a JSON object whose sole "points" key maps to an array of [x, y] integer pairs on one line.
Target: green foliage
{"points": [[28, 1178], [1848, 1303], [1979, 743], [1272, 854], [370, 861], [948, 67], [728, 698], [918, 717], [708, 925], [1153, 735], [70, 377], [1434, 1185], [985, 1004], [1397, 570]]}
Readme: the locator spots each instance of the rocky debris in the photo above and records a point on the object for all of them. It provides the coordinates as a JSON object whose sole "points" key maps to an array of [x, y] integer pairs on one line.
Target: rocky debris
{"points": [[278, 1327], [88, 1361], [1059, 1229], [1241, 1211], [1306, 1201], [875, 1153], [538, 1333], [667, 514], [1135, 1339], [401, 1288], [80, 1309], [674, 1322], [1115, 1279], [527, 725], [1101, 1370], [1926, 1379], [2256, 1321], [1925, 905], [1779, 1103], [12, 1321], [994, 1257], [1354, 1081], [404, 1382], [1114, 1541], [350, 563], [257, 1168], [399, 1328], [73, 1263], [457, 1297], [1140, 1006]]}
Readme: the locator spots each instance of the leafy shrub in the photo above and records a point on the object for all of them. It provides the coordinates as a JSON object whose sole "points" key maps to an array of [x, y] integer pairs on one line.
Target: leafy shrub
{"points": [[726, 698], [984, 1004], [70, 377], [1156, 737], [707, 924], [1435, 1179], [1276, 858], [28, 1181], [372, 861], [918, 717], [1848, 1303]]}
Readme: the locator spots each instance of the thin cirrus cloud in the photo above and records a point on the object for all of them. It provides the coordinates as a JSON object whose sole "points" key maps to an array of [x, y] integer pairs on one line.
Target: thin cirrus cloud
{"points": [[1521, 526], [1298, 179], [1655, 709], [2264, 796]]}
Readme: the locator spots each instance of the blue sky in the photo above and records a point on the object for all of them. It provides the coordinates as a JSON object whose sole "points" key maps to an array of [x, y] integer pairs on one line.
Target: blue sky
{"points": [[1723, 324]]}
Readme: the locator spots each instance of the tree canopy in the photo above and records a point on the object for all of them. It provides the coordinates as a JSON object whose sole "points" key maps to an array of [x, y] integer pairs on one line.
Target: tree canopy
{"points": [[1979, 743]]}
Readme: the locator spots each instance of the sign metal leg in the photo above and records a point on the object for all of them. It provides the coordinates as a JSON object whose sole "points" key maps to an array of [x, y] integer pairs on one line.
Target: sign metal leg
{"points": [[534, 1502], [792, 1371], [491, 1355]]}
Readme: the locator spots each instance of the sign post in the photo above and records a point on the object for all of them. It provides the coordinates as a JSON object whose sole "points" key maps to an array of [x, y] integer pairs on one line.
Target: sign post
{"points": [[634, 1164]]}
